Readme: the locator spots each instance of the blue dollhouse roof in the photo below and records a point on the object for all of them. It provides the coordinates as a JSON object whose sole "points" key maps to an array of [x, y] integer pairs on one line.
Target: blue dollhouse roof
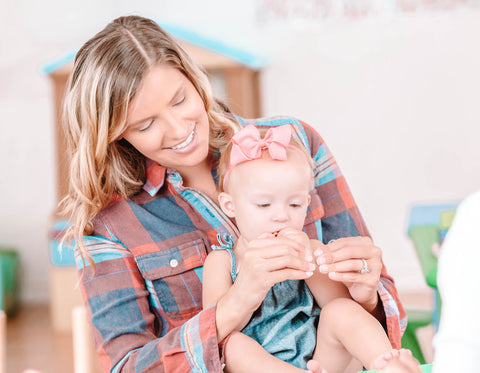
{"points": [[252, 61]]}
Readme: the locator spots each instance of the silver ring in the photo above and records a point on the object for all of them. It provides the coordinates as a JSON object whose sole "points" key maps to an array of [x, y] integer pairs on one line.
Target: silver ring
{"points": [[364, 267]]}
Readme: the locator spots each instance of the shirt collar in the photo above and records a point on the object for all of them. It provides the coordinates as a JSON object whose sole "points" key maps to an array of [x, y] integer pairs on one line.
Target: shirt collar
{"points": [[156, 174], [155, 177]]}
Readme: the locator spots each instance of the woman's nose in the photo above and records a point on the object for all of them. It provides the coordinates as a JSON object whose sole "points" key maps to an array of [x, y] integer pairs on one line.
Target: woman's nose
{"points": [[171, 122], [174, 126]]}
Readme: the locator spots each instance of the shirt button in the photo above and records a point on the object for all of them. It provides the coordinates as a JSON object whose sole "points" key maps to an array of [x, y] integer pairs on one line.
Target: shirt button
{"points": [[173, 263]]}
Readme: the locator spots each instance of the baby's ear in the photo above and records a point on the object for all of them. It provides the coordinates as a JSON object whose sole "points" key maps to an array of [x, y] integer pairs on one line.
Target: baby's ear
{"points": [[226, 204]]}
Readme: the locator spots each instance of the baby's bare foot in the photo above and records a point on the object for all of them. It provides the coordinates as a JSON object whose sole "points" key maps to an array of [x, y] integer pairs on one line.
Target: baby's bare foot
{"points": [[404, 363], [381, 361], [314, 367]]}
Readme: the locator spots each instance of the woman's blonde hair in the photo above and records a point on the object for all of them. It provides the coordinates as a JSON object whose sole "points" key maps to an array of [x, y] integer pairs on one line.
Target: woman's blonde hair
{"points": [[108, 70]]}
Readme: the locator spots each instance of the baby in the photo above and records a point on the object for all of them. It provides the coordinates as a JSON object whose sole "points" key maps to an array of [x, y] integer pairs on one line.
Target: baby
{"points": [[265, 185]]}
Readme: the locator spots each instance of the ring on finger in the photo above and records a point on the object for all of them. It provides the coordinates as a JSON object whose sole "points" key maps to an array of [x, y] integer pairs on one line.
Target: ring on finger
{"points": [[365, 268]]}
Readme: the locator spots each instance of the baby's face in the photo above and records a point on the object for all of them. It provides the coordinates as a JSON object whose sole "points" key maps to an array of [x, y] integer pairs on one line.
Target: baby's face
{"points": [[269, 195]]}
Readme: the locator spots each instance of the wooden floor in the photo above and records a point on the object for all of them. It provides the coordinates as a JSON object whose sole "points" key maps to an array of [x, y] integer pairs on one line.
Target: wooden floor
{"points": [[32, 345]]}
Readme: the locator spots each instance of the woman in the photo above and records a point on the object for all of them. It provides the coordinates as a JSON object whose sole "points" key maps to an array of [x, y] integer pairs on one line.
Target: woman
{"points": [[145, 133]]}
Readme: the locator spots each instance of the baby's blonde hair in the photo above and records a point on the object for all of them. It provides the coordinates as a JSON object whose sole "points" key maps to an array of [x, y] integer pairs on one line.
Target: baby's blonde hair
{"points": [[108, 70]]}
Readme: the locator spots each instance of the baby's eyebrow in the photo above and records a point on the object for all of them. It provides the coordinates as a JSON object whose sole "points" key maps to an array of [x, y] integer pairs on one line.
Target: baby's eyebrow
{"points": [[262, 194]]}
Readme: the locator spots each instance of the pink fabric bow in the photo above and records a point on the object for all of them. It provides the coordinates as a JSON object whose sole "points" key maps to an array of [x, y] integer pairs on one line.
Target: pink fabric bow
{"points": [[248, 145]]}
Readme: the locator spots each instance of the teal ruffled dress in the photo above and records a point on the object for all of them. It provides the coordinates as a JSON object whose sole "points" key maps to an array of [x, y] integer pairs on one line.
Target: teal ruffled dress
{"points": [[286, 322]]}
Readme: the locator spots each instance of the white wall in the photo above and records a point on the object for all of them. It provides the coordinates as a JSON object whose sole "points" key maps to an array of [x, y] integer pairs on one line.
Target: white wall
{"points": [[393, 95], [396, 100]]}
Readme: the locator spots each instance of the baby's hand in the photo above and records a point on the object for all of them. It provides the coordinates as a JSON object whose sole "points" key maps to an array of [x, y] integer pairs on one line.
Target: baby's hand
{"points": [[298, 236]]}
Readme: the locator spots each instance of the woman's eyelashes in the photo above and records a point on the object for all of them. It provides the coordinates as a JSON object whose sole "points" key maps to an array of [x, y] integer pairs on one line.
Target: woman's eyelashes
{"points": [[146, 126], [150, 122], [176, 103], [180, 101]]}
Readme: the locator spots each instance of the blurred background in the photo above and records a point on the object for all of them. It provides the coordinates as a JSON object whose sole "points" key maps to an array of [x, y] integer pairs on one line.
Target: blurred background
{"points": [[391, 85]]}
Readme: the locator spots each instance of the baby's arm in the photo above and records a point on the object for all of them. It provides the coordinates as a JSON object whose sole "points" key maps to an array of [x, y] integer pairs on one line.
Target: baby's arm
{"points": [[216, 276]]}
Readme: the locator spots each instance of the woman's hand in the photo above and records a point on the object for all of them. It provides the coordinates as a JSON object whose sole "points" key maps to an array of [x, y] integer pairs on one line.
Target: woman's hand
{"points": [[344, 259], [300, 237], [266, 261], [263, 262]]}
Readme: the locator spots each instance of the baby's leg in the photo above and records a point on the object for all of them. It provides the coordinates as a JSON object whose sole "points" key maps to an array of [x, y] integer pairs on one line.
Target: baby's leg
{"points": [[348, 337], [245, 355]]}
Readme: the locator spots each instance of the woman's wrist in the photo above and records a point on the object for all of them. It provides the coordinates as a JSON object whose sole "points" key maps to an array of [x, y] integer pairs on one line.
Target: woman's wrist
{"points": [[370, 305], [375, 308], [229, 317]]}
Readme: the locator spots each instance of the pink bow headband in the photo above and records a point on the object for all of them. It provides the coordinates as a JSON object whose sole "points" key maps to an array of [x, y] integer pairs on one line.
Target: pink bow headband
{"points": [[247, 145]]}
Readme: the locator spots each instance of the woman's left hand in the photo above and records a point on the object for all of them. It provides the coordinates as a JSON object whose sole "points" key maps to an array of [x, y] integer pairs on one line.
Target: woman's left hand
{"points": [[356, 262]]}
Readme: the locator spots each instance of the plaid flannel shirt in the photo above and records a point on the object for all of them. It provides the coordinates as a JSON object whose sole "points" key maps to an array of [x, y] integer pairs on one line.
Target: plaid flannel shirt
{"points": [[145, 297]]}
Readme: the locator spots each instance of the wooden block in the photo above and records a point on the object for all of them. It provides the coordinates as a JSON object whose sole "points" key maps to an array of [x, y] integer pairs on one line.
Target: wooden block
{"points": [[64, 297]]}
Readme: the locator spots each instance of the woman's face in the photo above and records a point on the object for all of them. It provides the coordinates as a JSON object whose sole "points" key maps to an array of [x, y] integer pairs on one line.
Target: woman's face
{"points": [[167, 121]]}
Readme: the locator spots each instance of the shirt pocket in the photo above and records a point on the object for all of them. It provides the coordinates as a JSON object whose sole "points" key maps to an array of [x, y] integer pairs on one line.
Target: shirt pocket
{"points": [[174, 277]]}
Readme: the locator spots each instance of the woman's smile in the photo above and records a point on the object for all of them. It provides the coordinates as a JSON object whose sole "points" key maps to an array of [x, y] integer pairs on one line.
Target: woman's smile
{"points": [[188, 144]]}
